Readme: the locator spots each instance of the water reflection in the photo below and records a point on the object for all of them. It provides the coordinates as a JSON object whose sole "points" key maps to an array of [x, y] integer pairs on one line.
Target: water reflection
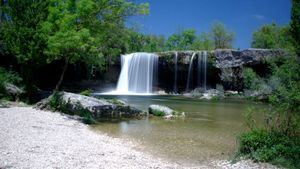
{"points": [[208, 131]]}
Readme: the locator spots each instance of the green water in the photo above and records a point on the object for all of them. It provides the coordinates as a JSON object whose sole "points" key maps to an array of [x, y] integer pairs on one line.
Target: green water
{"points": [[208, 132]]}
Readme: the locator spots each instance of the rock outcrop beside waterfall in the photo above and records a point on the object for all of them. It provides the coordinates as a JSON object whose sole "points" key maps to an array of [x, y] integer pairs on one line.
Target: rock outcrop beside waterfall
{"points": [[224, 58], [228, 58], [224, 66], [98, 108], [231, 63]]}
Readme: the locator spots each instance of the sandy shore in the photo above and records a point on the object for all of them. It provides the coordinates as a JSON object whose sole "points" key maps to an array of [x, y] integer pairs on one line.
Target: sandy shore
{"points": [[32, 138]]}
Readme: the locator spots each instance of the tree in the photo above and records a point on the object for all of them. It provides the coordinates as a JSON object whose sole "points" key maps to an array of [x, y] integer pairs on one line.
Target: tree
{"points": [[182, 40], [295, 24], [221, 37], [21, 38], [85, 30], [138, 42], [20, 29], [273, 37], [203, 42]]}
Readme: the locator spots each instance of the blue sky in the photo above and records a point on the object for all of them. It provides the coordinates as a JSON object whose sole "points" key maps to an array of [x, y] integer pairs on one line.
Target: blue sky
{"points": [[241, 16]]}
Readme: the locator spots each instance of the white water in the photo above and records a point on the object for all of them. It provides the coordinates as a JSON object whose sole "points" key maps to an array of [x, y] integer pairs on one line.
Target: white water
{"points": [[202, 69], [190, 73], [138, 74], [175, 72]]}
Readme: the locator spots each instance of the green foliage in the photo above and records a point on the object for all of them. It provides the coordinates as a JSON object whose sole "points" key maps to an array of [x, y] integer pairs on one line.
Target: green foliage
{"points": [[204, 42], [256, 86], [116, 102], [221, 37], [138, 42], [250, 121], [276, 148], [86, 30], [273, 37], [186, 39], [286, 98], [182, 40], [278, 141], [251, 79], [7, 77], [20, 29], [215, 98], [87, 92], [158, 113], [295, 25], [57, 104]]}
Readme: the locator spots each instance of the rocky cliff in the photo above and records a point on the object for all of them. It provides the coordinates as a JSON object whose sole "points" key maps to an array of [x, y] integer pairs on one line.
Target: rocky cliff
{"points": [[225, 66]]}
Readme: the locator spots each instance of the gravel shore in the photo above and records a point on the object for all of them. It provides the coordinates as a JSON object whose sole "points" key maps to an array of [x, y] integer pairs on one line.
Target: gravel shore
{"points": [[32, 138]]}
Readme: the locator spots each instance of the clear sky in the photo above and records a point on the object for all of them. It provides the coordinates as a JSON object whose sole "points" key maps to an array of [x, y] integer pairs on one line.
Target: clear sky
{"points": [[241, 16]]}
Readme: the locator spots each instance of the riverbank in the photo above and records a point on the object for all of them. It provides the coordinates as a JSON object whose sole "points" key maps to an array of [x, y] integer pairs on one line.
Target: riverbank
{"points": [[32, 138]]}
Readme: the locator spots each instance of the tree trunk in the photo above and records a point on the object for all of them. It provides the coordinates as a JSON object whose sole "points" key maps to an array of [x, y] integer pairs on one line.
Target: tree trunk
{"points": [[62, 75]]}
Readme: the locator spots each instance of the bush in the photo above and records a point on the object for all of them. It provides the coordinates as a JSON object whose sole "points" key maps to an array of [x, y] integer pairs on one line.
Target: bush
{"points": [[251, 79], [276, 148], [7, 77], [279, 141]]}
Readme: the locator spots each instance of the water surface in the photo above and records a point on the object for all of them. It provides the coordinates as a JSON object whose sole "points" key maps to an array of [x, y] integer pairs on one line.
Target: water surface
{"points": [[208, 132]]}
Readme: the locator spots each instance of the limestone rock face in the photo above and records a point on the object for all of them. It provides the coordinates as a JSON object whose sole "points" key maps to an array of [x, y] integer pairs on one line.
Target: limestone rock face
{"points": [[231, 63], [98, 108], [228, 58]]}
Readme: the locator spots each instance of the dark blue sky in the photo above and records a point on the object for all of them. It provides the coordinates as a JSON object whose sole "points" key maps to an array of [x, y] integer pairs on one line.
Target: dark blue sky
{"points": [[241, 16]]}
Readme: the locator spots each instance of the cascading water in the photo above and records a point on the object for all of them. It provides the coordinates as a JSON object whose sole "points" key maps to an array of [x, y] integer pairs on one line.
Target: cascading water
{"points": [[175, 72], [202, 69], [188, 83], [137, 74]]}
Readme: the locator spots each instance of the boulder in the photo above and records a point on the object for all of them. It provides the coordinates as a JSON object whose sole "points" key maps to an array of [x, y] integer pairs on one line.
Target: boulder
{"points": [[166, 112], [98, 108], [13, 90]]}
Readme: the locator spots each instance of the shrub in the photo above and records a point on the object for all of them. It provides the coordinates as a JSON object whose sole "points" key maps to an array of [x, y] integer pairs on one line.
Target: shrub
{"points": [[276, 148], [7, 77], [279, 141], [251, 80]]}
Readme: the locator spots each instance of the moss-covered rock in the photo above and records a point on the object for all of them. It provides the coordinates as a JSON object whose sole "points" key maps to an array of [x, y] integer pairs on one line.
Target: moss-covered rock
{"points": [[164, 111], [87, 107]]}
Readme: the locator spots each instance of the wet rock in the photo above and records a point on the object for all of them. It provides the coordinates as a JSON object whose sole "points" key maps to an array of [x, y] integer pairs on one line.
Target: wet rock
{"points": [[98, 108], [212, 94], [166, 112]]}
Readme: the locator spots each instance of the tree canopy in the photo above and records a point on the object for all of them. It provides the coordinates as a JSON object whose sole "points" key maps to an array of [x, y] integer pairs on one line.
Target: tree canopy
{"points": [[272, 36], [295, 24]]}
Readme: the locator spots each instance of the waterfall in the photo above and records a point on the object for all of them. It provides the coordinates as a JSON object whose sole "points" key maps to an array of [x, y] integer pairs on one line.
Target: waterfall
{"points": [[137, 73], [175, 72], [202, 69], [190, 73]]}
